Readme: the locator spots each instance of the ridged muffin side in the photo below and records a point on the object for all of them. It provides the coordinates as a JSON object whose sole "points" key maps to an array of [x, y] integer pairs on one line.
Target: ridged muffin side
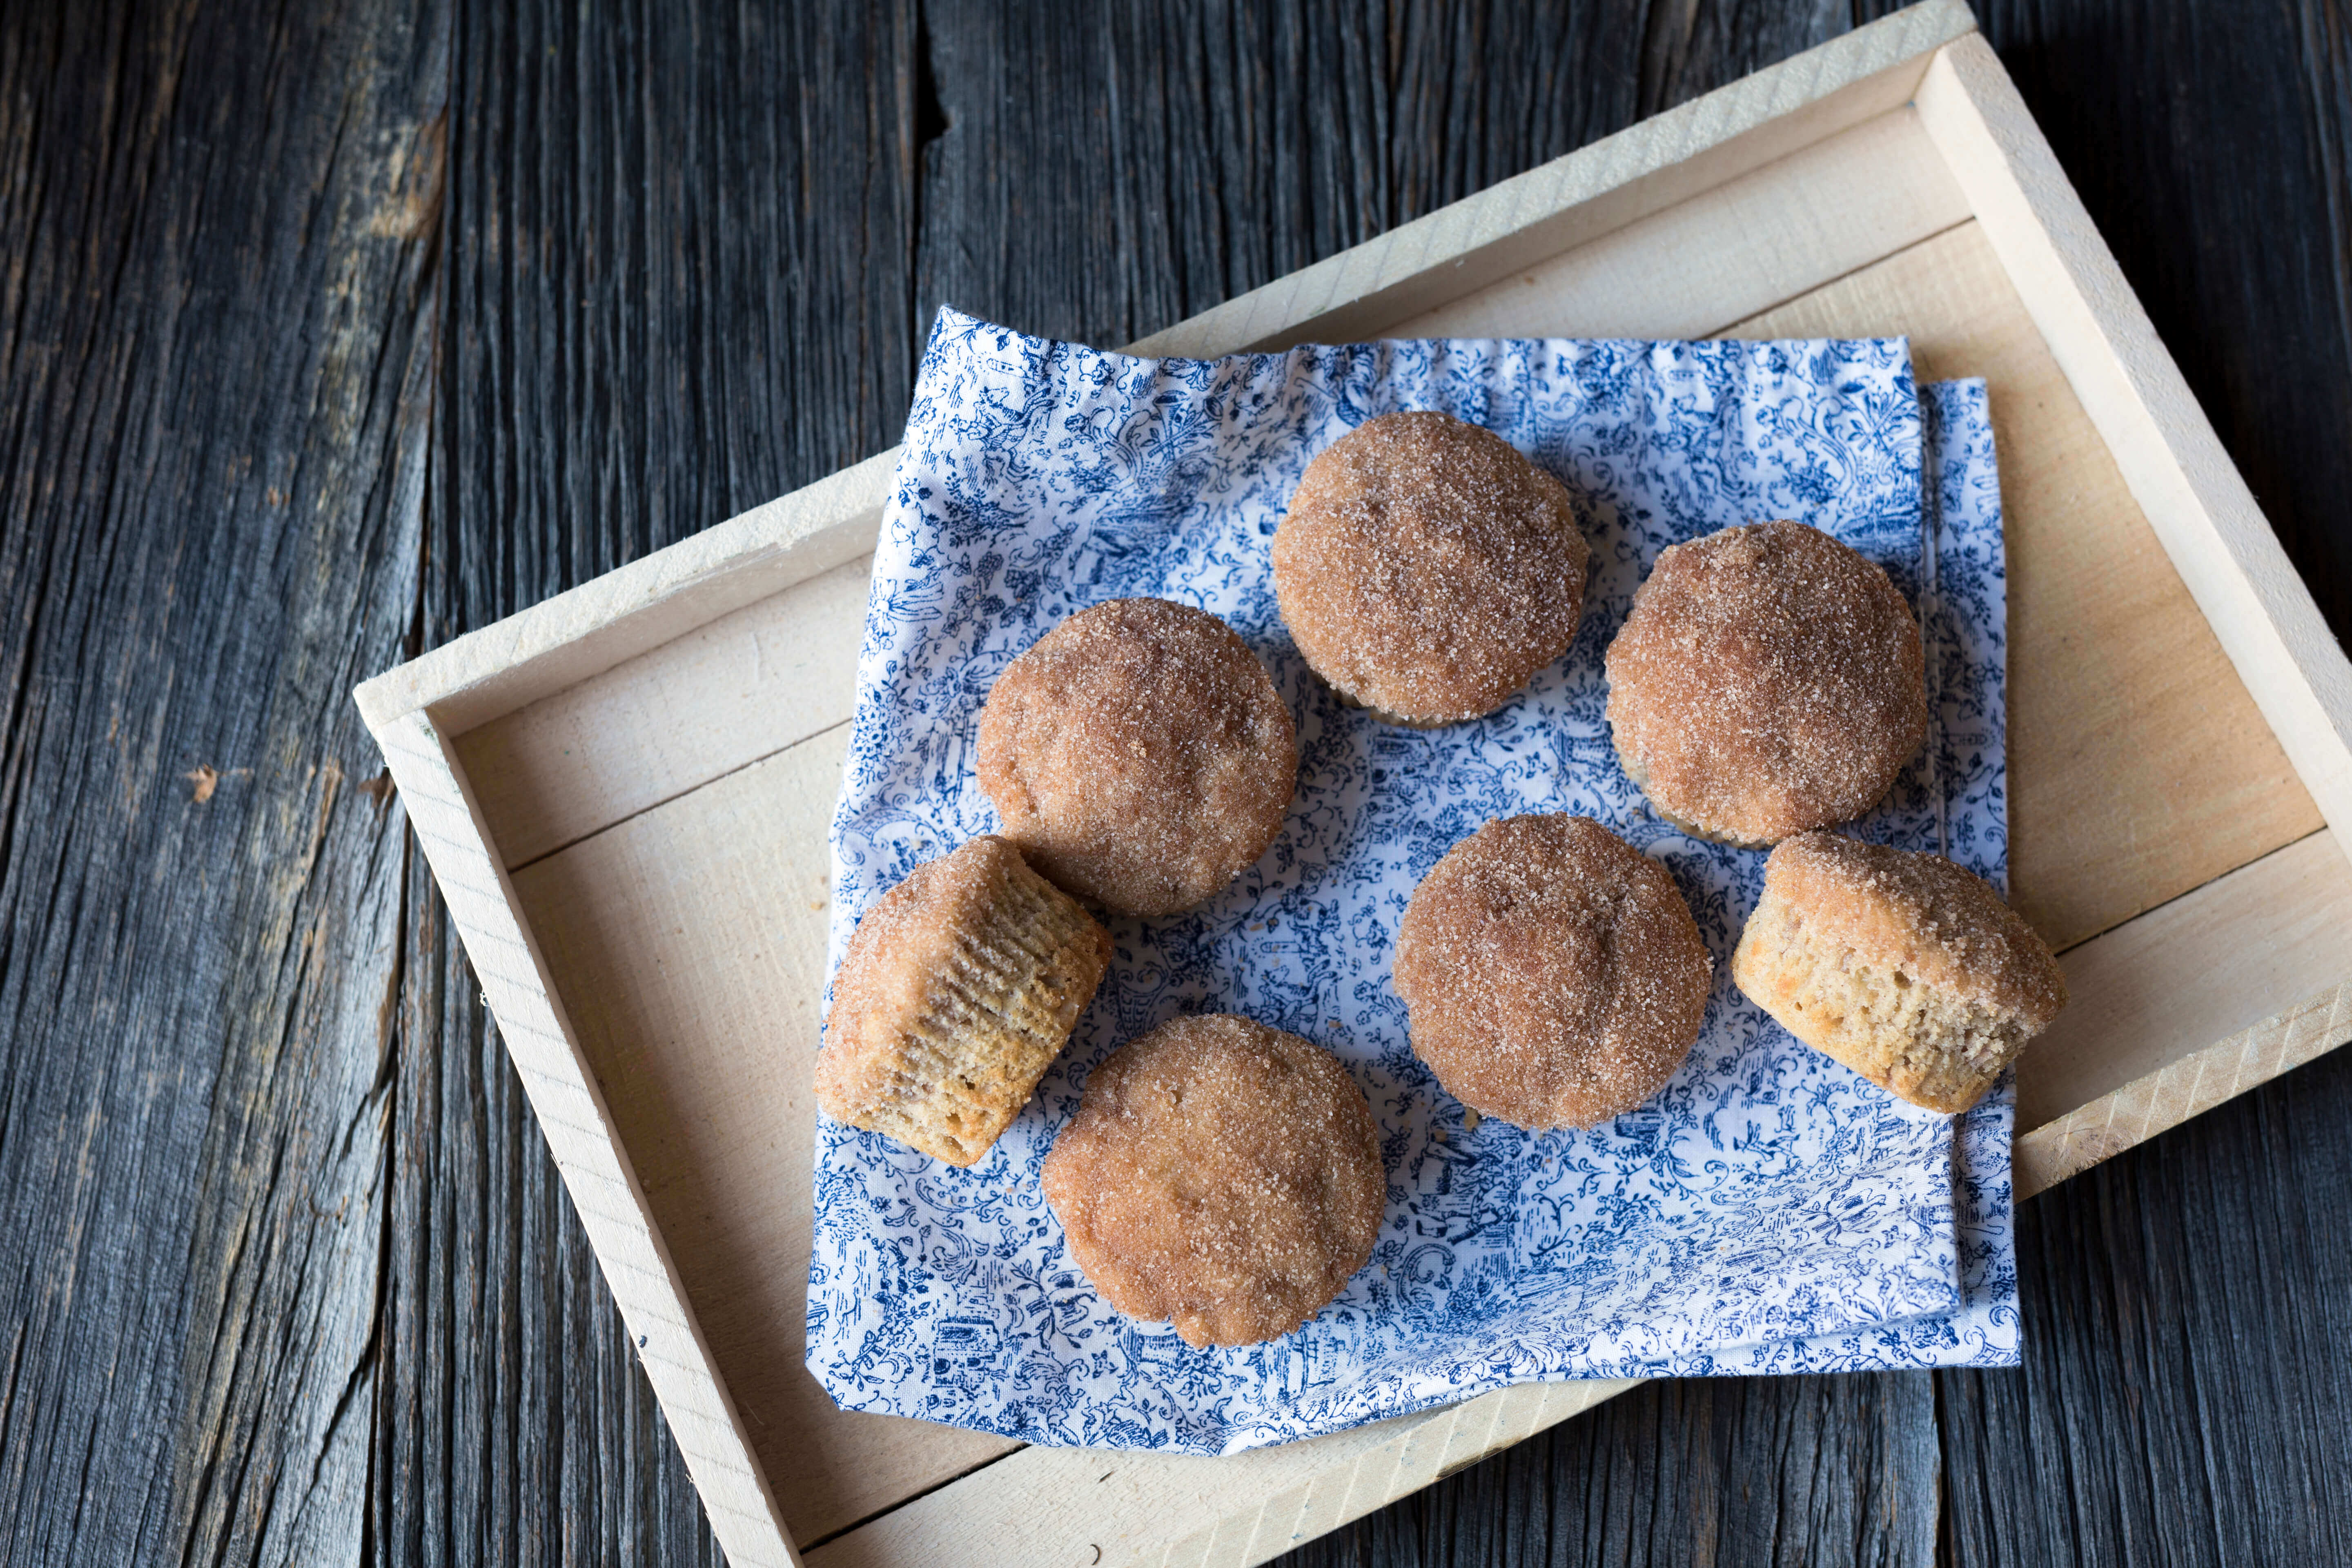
{"points": [[960, 986]]}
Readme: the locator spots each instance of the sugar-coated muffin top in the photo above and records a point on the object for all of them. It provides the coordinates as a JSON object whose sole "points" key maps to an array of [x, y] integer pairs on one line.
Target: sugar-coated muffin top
{"points": [[1138, 755], [1221, 1175], [1427, 570], [1768, 681], [1552, 974]]}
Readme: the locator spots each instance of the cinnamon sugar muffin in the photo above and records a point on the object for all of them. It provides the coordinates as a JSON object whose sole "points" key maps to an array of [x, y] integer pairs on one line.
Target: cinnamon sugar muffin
{"points": [[1551, 972], [1426, 570], [959, 989], [1769, 680], [1221, 1174], [1138, 755], [1902, 965]]}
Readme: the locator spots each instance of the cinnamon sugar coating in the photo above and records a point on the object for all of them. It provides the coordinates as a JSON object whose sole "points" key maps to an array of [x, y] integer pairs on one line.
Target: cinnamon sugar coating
{"points": [[1221, 1175], [1138, 755], [1426, 570], [960, 986], [1551, 972], [1908, 968], [1769, 680]]}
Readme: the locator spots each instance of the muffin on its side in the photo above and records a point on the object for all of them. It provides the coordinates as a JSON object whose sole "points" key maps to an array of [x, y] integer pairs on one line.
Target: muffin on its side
{"points": [[1551, 972], [1138, 755], [1768, 681], [1902, 965], [1426, 570], [1222, 1174], [959, 989]]}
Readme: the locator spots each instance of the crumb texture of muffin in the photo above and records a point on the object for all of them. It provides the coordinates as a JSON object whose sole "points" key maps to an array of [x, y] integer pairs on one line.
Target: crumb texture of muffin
{"points": [[1906, 968], [960, 986], [1138, 755], [1768, 681], [1220, 1174], [1426, 570], [1551, 972]]}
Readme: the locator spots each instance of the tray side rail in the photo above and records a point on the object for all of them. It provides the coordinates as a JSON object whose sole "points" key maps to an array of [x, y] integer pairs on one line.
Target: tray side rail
{"points": [[2170, 457], [595, 1168]]}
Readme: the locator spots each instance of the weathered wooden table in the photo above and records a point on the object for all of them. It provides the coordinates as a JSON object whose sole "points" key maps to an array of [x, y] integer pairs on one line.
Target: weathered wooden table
{"points": [[325, 335]]}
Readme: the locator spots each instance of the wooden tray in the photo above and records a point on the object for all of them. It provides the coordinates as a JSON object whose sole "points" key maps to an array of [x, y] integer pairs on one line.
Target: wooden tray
{"points": [[624, 792]]}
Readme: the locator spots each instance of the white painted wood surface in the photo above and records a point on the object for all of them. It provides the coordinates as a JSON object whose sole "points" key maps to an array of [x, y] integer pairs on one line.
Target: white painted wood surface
{"points": [[653, 754]]}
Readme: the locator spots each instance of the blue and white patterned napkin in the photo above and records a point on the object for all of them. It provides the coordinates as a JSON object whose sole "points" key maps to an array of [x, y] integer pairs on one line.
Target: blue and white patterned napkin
{"points": [[1769, 1210]]}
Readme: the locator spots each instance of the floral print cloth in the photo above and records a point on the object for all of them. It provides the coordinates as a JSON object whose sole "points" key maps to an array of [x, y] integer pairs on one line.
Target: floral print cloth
{"points": [[1767, 1211]]}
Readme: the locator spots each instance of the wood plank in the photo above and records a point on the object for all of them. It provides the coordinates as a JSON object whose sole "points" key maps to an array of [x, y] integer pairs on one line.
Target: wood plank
{"points": [[583, 1136], [923, 1475], [2187, 1087], [2193, 498], [174, 343], [693, 981], [1074, 1505], [1763, 1449], [1728, 1471], [2139, 767], [677, 247], [617, 615], [214, 398], [1669, 158], [2183, 1303], [2196, 971], [689, 945], [743, 687], [572, 635], [1753, 242], [2116, 698], [2184, 1388], [749, 683]]}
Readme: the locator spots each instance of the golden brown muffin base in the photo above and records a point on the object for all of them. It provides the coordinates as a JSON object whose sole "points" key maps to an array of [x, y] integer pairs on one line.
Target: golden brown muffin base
{"points": [[1138, 755], [1769, 680], [1221, 1175], [1426, 570], [1902, 965], [1551, 972], [960, 986]]}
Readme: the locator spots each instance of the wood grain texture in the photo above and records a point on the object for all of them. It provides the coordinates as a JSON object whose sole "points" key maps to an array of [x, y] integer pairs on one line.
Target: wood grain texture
{"points": [[1728, 1470], [218, 236], [2144, 997], [2194, 501], [743, 687], [298, 370], [668, 972], [1078, 1505], [747, 684], [653, 319], [2183, 1395]]}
